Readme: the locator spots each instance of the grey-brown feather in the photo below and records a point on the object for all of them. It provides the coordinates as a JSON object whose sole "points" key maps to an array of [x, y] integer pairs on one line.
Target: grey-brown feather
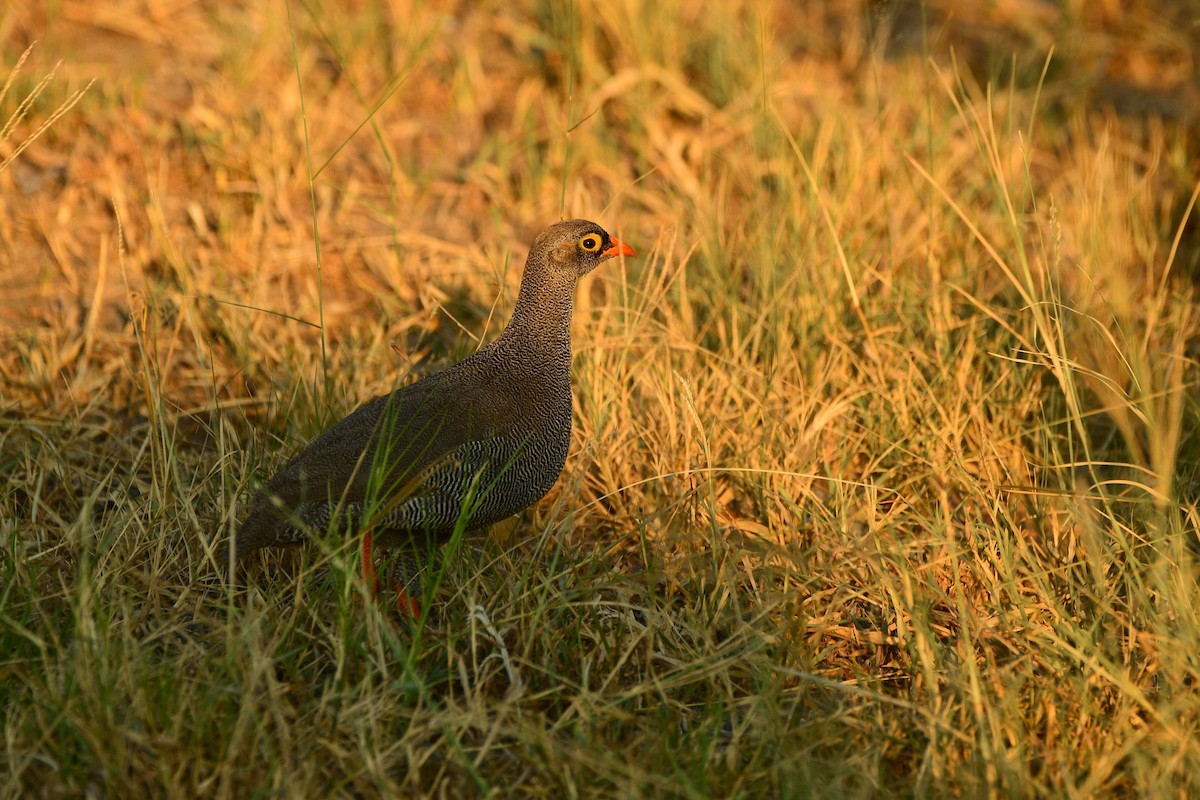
{"points": [[485, 438]]}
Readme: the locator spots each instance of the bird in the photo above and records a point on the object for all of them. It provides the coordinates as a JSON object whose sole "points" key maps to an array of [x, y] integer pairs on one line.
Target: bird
{"points": [[463, 448]]}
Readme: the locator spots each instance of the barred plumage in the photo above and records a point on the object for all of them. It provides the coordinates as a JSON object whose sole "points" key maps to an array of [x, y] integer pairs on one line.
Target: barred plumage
{"points": [[478, 441]]}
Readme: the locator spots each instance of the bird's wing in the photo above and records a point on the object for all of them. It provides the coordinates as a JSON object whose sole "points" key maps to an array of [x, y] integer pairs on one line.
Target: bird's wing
{"points": [[392, 441]]}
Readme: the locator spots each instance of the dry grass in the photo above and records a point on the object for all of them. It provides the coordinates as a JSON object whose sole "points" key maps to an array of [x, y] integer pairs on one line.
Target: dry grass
{"points": [[885, 471]]}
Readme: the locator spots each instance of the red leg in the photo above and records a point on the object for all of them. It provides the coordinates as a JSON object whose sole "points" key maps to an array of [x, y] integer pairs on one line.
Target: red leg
{"points": [[407, 604], [406, 577], [368, 564]]}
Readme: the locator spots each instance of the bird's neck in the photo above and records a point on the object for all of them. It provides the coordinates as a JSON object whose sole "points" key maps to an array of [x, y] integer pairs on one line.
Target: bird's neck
{"points": [[541, 320]]}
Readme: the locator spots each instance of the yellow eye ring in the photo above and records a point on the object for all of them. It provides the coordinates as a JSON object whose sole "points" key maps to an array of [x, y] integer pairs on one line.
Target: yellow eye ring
{"points": [[590, 243]]}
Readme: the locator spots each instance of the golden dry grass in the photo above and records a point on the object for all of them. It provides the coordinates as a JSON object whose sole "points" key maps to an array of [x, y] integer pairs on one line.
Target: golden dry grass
{"points": [[884, 478]]}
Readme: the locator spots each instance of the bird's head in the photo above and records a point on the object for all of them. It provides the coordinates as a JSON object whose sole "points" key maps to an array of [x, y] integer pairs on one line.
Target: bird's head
{"points": [[577, 246]]}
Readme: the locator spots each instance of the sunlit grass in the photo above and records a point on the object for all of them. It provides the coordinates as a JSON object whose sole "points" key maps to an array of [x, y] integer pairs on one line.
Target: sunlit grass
{"points": [[884, 471]]}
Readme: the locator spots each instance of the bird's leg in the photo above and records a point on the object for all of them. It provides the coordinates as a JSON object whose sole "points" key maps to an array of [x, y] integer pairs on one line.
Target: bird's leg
{"points": [[368, 564], [405, 576], [408, 605], [407, 580]]}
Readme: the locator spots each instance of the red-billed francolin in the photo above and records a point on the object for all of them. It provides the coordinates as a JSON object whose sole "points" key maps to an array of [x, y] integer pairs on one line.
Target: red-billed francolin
{"points": [[471, 445]]}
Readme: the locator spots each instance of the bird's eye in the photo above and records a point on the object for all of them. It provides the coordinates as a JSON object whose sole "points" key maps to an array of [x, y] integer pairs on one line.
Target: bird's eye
{"points": [[590, 243]]}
